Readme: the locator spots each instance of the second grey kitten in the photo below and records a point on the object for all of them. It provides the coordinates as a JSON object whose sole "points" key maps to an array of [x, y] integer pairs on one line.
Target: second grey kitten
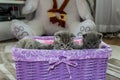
{"points": [[92, 40]]}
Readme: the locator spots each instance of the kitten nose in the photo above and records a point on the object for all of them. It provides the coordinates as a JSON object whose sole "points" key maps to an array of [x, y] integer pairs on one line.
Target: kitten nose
{"points": [[65, 47]]}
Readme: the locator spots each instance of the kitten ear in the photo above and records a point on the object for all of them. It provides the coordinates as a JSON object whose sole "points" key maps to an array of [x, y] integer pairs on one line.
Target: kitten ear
{"points": [[72, 35], [84, 35], [99, 35], [57, 36]]}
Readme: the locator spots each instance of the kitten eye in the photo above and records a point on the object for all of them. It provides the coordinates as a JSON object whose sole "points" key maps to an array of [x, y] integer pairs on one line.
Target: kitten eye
{"points": [[68, 45], [61, 44], [88, 43], [94, 43]]}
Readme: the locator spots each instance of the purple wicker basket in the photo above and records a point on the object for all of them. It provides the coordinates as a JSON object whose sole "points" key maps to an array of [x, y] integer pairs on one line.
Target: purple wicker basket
{"points": [[84, 64]]}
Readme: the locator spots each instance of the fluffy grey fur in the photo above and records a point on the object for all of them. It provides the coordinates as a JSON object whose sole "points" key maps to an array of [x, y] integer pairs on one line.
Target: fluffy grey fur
{"points": [[28, 43], [63, 40], [92, 40]]}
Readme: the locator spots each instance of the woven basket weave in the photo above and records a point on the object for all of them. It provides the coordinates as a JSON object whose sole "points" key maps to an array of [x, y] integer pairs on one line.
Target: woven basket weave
{"points": [[61, 64]]}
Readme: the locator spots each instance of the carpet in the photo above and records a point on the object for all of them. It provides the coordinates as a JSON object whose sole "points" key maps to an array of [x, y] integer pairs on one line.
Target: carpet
{"points": [[7, 66]]}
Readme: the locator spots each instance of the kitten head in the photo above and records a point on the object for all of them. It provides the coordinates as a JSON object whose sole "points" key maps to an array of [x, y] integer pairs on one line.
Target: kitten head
{"points": [[92, 40], [64, 40]]}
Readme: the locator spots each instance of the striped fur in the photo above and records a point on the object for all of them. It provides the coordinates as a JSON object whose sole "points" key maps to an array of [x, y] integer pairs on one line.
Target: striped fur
{"points": [[63, 40]]}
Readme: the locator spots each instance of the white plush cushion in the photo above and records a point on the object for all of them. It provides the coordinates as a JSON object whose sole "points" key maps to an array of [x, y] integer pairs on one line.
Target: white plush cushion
{"points": [[5, 32]]}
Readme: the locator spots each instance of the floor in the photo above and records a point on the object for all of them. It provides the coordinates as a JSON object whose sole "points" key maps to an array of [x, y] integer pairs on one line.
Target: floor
{"points": [[115, 58], [113, 41], [109, 77], [5, 47]]}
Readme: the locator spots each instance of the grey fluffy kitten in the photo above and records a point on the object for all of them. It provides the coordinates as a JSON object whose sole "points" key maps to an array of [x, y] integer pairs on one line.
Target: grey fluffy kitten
{"points": [[63, 40], [92, 40], [27, 43]]}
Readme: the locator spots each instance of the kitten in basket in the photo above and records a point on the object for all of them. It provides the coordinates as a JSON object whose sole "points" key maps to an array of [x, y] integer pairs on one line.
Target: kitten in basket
{"points": [[92, 40], [63, 41]]}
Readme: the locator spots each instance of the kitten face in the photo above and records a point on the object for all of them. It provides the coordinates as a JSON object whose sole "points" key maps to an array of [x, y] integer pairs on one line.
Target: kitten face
{"points": [[63, 40], [92, 40]]}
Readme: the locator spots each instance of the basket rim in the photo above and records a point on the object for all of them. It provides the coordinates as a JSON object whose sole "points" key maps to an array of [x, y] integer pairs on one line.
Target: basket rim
{"points": [[47, 55], [20, 54]]}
